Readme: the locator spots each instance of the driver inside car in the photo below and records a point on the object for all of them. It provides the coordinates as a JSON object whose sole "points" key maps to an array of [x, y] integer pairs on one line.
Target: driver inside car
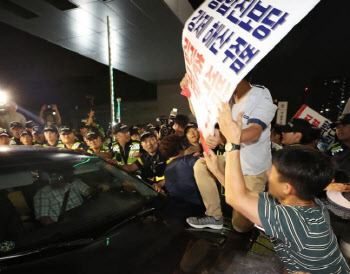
{"points": [[62, 194]]}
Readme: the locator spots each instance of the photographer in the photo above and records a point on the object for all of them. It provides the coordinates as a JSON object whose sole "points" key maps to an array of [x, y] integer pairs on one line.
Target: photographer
{"points": [[11, 115], [92, 124], [52, 117]]}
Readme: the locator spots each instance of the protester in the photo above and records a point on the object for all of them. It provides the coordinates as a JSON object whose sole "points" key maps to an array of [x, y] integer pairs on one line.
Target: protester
{"points": [[125, 150], [52, 115], [180, 123], [290, 213], [259, 110], [96, 146], [38, 136], [180, 185], [26, 138], [16, 129], [4, 138], [297, 132], [192, 135], [51, 136], [68, 139], [11, 115], [179, 176]]}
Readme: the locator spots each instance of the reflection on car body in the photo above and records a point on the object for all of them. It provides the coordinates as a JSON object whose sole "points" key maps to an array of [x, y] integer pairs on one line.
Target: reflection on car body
{"points": [[114, 226]]}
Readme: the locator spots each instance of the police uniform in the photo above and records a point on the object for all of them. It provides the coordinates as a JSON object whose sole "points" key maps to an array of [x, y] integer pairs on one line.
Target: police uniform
{"points": [[124, 155], [104, 149], [152, 167], [15, 141], [57, 144], [340, 154], [76, 145]]}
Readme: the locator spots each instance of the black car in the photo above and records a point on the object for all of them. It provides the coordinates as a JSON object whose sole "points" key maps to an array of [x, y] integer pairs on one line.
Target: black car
{"points": [[110, 222]]}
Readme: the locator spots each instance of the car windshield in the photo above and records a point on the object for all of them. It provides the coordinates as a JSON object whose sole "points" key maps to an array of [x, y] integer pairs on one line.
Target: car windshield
{"points": [[69, 198]]}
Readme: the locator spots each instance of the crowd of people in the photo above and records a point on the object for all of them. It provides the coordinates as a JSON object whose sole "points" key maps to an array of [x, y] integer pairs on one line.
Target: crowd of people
{"points": [[274, 176]]}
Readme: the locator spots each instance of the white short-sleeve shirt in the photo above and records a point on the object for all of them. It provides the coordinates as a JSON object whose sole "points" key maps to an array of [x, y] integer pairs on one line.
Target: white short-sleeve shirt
{"points": [[258, 108]]}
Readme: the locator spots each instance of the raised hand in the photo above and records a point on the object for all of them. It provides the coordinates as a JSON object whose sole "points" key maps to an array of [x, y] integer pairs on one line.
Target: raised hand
{"points": [[231, 129]]}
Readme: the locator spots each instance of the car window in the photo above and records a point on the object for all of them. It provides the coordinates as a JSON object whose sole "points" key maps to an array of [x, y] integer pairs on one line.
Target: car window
{"points": [[62, 200]]}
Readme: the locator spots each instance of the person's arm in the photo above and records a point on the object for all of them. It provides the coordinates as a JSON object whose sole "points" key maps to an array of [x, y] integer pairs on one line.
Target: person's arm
{"points": [[41, 114], [90, 120], [58, 116], [252, 133], [212, 164], [237, 194]]}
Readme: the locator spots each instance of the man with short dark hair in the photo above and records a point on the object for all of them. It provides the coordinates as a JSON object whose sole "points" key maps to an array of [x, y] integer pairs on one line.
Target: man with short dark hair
{"points": [[96, 146], [51, 136], [297, 222], [15, 129], [26, 138], [180, 123], [296, 132]]}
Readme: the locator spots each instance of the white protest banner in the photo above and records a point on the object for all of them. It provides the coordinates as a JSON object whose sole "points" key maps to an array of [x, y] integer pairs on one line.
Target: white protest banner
{"points": [[224, 39], [317, 120]]}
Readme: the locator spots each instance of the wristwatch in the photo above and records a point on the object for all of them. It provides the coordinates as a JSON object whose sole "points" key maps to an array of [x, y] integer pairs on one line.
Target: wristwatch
{"points": [[230, 147]]}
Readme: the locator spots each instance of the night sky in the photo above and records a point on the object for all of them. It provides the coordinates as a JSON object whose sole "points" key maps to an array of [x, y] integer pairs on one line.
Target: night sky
{"points": [[35, 71]]}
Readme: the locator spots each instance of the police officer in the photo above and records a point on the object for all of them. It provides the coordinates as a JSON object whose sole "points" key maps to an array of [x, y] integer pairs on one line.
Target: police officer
{"points": [[16, 129], [26, 138], [96, 146], [38, 136], [340, 151], [151, 163], [125, 150], [29, 126], [4, 138], [68, 139], [51, 136]]}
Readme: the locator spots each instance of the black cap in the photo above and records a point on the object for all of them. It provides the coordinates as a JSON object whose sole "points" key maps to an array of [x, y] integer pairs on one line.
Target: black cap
{"points": [[51, 128], [4, 133], [26, 132], [147, 134], [298, 125], [342, 120], [65, 129], [121, 127], [30, 124], [37, 130], [15, 125], [190, 125], [91, 135]]}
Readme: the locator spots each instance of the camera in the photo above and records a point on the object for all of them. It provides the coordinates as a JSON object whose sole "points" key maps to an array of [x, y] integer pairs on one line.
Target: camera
{"points": [[49, 107], [166, 124]]}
